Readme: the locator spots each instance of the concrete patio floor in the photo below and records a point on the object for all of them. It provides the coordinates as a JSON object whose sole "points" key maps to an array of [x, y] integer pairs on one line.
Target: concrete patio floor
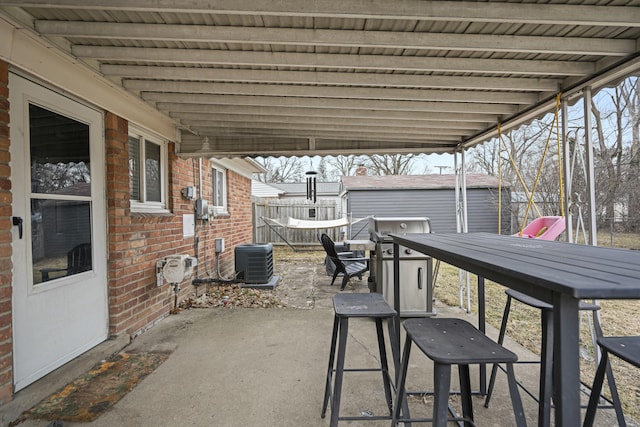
{"points": [[266, 367]]}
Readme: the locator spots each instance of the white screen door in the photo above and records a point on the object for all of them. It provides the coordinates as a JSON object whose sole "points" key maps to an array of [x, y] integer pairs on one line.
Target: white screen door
{"points": [[60, 306]]}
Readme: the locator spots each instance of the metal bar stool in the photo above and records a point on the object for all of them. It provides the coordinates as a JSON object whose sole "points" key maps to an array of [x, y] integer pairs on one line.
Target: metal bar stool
{"points": [[627, 349], [546, 352], [453, 342], [355, 305]]}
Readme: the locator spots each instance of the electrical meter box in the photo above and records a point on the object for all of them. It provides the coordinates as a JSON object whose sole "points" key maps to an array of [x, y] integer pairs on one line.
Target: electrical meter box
{"points": [[202, 209], [219, 242]]}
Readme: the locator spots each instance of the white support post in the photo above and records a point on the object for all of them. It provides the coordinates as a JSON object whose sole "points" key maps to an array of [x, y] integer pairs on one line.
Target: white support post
{"points": [[464, 284], [465, 224], [591, 186], [591, 189], [458, 206], [567, 173]]}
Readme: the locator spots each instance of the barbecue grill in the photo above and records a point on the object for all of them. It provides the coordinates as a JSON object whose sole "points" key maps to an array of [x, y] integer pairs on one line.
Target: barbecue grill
{"points": [[416, 297]]}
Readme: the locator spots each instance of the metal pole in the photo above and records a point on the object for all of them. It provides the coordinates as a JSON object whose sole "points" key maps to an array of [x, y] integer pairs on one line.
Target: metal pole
{"points": [[591, 188], [457, 193], [461, 227], [465, 228], [567, 173], [458, 222]]}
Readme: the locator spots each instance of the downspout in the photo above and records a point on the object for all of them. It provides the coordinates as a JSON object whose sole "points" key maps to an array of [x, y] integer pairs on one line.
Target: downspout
{"points": [[200, 177], [196, 239]]}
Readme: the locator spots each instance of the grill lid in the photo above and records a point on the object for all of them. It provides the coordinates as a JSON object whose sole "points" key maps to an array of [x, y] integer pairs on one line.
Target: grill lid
{"points": [[381, 227]]}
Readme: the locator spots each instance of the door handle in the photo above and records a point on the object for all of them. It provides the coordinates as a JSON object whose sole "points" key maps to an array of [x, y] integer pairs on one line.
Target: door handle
{"points": [[419, 277], [18, 221]]}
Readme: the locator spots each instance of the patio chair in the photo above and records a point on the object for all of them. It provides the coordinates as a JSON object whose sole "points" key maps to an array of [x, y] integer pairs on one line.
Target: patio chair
{"points": [[347, 266], [343, 252], [78, 260]]}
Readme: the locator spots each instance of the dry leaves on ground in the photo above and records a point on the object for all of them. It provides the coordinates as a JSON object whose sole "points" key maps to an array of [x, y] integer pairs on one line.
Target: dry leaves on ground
{"points": [[233, 296]]}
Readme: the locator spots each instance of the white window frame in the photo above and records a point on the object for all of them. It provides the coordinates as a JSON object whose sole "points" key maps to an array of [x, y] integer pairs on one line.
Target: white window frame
{"points": [[219, 209], [144, 206]]}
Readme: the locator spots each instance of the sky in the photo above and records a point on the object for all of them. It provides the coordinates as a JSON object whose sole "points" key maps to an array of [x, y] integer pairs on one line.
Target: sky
{"points": [[437, 163], [440, 162]]}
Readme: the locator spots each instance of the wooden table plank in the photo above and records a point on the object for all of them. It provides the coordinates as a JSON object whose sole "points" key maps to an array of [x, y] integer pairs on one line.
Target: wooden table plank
{"points": [[584, 272]]}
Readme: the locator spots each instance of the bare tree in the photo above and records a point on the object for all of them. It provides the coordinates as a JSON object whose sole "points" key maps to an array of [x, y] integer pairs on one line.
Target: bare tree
{"points": [[281, 169], [484, 158], [630, 91], [390, 164], [344, 165], [325, 173], [426, 169], [609, 153], [516, 159], [615, 119]]}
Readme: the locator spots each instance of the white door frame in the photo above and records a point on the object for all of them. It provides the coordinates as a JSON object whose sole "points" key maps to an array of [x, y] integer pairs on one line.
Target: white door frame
{"points": [[58, 321]]}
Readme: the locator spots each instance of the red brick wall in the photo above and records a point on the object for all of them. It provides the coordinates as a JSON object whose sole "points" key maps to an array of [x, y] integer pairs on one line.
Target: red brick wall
{"points": [[237, 228], [6, 334], [137, 241]]}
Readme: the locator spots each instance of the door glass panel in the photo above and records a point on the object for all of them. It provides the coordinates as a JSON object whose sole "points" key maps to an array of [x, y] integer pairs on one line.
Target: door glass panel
{"points": [[60, 237], [59, 154], [60, 195]]}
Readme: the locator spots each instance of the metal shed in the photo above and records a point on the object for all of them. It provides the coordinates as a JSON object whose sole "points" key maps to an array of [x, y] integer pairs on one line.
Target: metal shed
{"points": [[432, 196]]}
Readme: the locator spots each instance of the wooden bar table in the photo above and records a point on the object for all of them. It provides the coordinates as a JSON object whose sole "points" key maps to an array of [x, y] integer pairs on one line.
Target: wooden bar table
{"points": [[555, 272]]}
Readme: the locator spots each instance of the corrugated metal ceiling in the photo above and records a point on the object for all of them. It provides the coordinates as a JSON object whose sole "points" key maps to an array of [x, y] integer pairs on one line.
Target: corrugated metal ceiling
{"points": [[333, 77]]}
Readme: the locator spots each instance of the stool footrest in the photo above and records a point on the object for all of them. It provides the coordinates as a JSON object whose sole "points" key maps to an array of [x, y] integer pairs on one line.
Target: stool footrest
{"points": [[467, 421], [363, 370], [365, 417]]}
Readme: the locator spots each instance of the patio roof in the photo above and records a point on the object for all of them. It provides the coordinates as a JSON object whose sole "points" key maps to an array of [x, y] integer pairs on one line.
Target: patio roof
{"points": [[259, 78]]}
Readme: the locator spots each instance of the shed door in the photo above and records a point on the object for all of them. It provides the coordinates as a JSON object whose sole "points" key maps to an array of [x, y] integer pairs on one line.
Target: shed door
{"points": [[59, 282]]}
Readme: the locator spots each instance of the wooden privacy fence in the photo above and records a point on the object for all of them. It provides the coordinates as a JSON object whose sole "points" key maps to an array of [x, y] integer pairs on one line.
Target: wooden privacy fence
{"points": [[280, 210]]}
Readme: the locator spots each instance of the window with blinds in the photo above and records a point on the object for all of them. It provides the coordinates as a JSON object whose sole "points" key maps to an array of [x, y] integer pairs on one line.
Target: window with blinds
{"points": [[147, 174]]}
